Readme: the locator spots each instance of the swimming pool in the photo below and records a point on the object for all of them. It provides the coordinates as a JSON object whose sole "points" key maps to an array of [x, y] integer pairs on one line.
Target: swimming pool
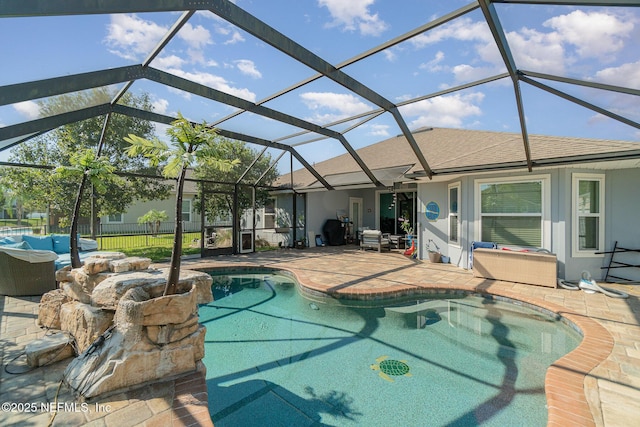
{"points": [[274, 358]]}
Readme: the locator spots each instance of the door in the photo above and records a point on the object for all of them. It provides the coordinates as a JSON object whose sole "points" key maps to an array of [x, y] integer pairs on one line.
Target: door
{"points": [[355, 215]]}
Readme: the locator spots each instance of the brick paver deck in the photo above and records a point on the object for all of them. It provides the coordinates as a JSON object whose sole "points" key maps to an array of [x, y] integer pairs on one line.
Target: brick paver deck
{"points": [[596, 384]]}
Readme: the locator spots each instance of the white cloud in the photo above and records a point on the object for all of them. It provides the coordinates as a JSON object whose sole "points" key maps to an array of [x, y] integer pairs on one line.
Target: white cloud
{"points": [[533, 50], [389, 55], [196, 37], [131, 37], [246, 66], [236, 37], [28, 109], [404, 97], [434, 64], [467, 73], [379, 130], [160, 106], [461, 29], [215, 82], [329, 106], [196, 56], [165, 62], [594, 34], [627, 75], [354, 15], [446, 111], [567, 38], [464, 30]]}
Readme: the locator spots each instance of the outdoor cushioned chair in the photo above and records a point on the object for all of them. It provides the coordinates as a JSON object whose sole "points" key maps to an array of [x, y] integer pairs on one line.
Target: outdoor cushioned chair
{"points": [[374, 239], [26, 272]]}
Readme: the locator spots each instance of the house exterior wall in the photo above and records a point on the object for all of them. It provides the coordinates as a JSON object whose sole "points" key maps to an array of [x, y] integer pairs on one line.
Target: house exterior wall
{"points": [[323, 205], [136, 210], [437, 230], [622, 221], [622, 199]]}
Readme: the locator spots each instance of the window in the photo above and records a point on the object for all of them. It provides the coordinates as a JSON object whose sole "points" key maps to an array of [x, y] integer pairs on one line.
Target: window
{"points": [[115, 219], [454, 213], [514, 212], [270, 214], [186, 210], [587, 196]]}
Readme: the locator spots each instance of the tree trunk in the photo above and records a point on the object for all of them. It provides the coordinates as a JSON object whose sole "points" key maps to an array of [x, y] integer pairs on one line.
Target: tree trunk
{"points": [[174, 269], [18, 212], [94, 215], [73, 233]]}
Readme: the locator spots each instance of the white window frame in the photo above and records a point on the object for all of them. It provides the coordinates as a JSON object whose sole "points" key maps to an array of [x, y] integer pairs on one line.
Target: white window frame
{"points": [[545, 179], [273, 215], [451, 186], [575, 215], [182, 211], [109, 221]]}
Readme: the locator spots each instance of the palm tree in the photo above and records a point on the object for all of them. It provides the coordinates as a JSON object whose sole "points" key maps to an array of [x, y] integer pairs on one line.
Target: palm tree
{"points": [[153, 219], [98, 171], [191, 144]]}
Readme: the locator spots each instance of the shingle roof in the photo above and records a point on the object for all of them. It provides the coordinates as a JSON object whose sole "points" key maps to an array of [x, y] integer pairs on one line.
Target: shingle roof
{"points": [[461, 150]]}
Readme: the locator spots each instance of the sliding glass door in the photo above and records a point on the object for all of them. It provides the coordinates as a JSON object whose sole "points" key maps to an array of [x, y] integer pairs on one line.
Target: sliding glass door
{"points": [[395, 208]]}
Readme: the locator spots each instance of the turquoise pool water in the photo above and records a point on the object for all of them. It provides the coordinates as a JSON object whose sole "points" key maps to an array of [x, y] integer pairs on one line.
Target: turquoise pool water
{"points": [[274, 358]]}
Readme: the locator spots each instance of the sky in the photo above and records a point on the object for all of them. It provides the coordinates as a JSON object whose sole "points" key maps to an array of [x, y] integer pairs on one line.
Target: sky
{"points": [[596, 44]]}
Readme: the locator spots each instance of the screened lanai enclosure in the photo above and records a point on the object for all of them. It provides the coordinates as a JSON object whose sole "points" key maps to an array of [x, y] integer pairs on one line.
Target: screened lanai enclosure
{"points": [[296, 83]]}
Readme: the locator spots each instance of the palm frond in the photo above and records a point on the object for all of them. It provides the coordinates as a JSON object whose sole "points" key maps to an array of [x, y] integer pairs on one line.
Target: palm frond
{"points": [[155, 150], [173, 167]]}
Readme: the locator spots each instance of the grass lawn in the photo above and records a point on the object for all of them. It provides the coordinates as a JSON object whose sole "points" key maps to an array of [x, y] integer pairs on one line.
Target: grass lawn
{"points": [[158, 248]]}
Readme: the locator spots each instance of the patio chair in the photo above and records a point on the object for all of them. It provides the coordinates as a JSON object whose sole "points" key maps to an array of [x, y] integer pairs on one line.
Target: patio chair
{"points": [[25, 272], [374, 239]]}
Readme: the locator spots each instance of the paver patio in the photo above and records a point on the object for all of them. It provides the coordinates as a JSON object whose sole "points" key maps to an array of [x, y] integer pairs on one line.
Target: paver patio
{"points": [[596, 384]]}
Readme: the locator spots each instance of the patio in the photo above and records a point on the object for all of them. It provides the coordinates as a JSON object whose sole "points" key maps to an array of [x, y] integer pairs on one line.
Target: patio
{"points": [[596, 384]]}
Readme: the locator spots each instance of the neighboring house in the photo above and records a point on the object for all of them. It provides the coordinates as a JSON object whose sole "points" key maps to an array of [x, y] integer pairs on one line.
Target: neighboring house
{"points": [[581, 196], [127, 222]]}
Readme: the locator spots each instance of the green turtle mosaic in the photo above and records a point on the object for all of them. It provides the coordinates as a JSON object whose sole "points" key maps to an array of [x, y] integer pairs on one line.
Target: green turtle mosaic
{"points": [[391, 367]]}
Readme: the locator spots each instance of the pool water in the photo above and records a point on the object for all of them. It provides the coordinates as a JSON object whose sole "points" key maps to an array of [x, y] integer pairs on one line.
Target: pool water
{"points": [[275, 358]]}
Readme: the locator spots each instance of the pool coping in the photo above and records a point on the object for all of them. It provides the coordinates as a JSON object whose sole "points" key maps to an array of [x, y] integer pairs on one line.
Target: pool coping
{"points": [[565, 392]]}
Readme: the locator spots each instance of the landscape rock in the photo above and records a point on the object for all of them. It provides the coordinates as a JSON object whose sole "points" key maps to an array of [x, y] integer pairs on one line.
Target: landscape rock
{"points": [[129, 264], [170, 309], [108, 292], [164, 334], [129, 358], [64, 274], [96, 265], [49, 349], [201, 279], [88, 282], [84, 322], [148, 336], [49, 311]]}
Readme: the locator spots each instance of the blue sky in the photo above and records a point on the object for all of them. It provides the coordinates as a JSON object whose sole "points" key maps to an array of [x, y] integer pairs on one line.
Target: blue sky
{"points": [[588, 43]]}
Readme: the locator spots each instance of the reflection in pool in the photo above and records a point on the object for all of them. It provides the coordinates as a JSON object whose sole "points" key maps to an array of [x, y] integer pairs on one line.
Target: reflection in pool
{"points": [[274, 358]]}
